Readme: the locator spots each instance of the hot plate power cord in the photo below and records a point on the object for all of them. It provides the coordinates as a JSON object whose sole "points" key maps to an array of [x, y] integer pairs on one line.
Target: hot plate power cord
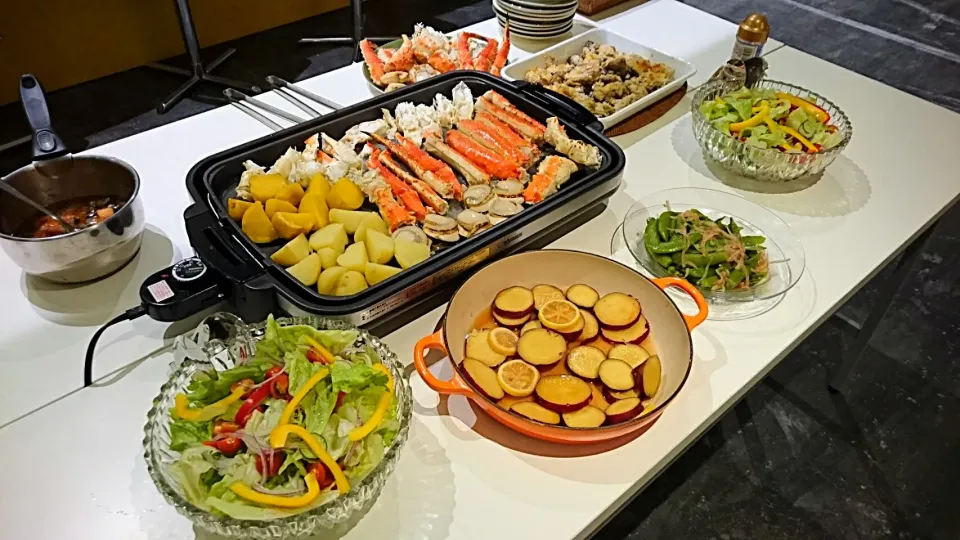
{"points": [[128, 315]]}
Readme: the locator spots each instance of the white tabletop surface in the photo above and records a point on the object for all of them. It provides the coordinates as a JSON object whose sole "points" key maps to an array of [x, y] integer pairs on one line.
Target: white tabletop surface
{"points": [[47, 326], [463, 476]]}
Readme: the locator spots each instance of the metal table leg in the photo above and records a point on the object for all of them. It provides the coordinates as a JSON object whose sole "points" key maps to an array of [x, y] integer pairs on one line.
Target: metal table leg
{"points": [[198, 72], [887, 293]]}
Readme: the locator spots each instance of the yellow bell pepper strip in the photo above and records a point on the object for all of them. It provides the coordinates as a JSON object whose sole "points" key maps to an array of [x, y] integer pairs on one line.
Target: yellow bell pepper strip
{"points": [[812, 108], [278, 438], [811, 148], [183, 410], [299, 501], [358, 433], [294, 402], [754, 120], [326, 357]]}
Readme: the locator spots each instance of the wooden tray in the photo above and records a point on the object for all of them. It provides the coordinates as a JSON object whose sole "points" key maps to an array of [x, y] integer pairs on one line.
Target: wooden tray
{"points": [[589, 7]]}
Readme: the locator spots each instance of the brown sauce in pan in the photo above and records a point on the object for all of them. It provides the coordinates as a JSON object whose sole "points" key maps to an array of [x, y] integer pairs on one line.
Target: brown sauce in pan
{"points": [[80, 212], [485, 321]]}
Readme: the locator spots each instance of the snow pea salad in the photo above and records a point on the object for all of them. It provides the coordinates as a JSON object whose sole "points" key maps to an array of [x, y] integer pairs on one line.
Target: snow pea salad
{"points": [[765, 118], [713, 254], [309, 415]]}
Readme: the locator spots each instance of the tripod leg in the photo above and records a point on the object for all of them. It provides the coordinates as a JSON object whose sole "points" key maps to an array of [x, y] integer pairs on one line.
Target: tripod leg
{"points": [[178, 94], [219, 60], [171, 69]]}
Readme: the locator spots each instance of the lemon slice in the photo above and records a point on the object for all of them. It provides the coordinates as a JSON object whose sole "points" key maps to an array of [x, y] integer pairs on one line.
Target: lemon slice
{"points": [[518, 378], [559, 315], [503, 341]]}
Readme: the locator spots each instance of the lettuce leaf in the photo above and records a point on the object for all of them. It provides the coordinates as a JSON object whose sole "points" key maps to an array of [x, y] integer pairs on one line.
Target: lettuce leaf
{"points": [[191, 473], [367, 455], [260, 424], [743, 107], [184, 433], [353, 376], [211, 386], [279, 340], [299, 370], [318, 407]]}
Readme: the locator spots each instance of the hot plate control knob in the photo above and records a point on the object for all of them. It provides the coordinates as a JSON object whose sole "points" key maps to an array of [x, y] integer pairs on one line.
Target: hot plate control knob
{"points": [[188, 269]]}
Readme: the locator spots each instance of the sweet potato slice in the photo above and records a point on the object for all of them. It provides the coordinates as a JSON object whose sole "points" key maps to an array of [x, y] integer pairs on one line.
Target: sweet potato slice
{"points": [[599, 398], [590, 326], [545, 293], [582, 295], [514, 301], [530, 326], [478, 348], [541, 347], [652, 371], [563, 393], [536, 412], [616, 374], [623, 410], [573, 335], [634, 333], [617, 310], [587, 417], [511, 322], [483, 378], [584, 361], [635, 355], [612, 396]]}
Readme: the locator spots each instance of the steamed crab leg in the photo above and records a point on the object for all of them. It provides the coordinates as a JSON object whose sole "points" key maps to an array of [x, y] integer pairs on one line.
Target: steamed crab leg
{"points": [[485, 58], [483, 157], [435, 173], [485, 136], [514, 139], [403, 59], [501, 59], [393, 213], [426, 193], [369, 51], [474, 175], [500, 107], [408, 197], [464, 57]]}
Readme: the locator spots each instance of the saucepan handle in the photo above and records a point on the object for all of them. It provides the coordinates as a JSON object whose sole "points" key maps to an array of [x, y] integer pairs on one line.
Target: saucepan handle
{"points": [[46, 143], [567, 108], [435, 341], [692, 321]]}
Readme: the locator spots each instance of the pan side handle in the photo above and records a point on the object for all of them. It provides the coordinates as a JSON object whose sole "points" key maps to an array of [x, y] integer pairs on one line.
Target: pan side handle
{"points": [[46, 143]]}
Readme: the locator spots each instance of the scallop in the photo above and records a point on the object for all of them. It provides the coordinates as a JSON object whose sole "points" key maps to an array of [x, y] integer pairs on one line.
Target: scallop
{"points": [[411, 233], [505, 208], [508, 188], [441, 228], [478, 197], [471, 222]]}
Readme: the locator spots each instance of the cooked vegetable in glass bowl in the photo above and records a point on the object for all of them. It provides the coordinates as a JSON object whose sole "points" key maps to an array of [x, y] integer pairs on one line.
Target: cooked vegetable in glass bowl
{"points": [[301, 432], [741, 256], [774, 131]]}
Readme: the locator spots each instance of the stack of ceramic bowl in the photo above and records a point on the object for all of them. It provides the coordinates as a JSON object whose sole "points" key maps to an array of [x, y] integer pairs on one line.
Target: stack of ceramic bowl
{"points": [[536, 19]]}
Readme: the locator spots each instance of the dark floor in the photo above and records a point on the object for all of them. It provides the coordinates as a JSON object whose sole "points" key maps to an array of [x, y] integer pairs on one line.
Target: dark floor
{"points": [[792, 460]]}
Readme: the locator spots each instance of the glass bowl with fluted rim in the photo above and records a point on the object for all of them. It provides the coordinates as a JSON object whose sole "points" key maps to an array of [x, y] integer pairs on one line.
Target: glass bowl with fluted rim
{"points": [[784, 250], [765, 164], [159, 457]]}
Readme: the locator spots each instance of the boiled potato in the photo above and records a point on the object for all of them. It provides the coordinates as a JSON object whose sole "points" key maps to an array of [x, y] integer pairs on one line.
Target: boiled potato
{"points": [[350, 282], [292, 252], [319, 185], [256, 225], [371, 222], [272, 206], [409, 253], [266, 186], [379, 247], [332, 236], [308, 270], [292, 193], [289, 225], [354, 258], [313, 204], [345, 195], [351, 219], [236, 208], [328, 257], [327, 282], [375, 273]]}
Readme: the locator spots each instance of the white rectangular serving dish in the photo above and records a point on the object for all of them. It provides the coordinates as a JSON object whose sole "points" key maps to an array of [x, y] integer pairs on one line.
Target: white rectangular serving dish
{"points": [[683, 70]]}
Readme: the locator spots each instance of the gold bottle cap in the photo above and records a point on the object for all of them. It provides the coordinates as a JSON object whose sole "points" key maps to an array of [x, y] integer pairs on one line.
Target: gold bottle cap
{"points": [[754, 28]]}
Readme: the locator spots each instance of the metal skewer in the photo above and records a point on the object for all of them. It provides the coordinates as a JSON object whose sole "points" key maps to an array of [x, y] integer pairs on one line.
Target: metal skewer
{"points": [[256, 116], [280, 83], [232, 94]]}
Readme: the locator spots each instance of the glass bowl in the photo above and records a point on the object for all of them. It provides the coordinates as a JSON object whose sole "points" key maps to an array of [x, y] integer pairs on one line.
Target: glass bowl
{"points": [[762, 163], [783, 249], [159, 457]]}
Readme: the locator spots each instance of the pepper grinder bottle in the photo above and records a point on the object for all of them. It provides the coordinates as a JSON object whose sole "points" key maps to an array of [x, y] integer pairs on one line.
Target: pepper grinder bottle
{"points": [[751, 37]]}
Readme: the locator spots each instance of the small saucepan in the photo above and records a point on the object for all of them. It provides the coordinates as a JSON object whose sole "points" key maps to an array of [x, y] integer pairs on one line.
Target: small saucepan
{"points": [[668, 338], [58, 179]]}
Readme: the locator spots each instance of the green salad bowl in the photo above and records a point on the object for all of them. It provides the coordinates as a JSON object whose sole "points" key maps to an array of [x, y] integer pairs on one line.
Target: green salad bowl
{"points": [[764, 164], [328, 516]]}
